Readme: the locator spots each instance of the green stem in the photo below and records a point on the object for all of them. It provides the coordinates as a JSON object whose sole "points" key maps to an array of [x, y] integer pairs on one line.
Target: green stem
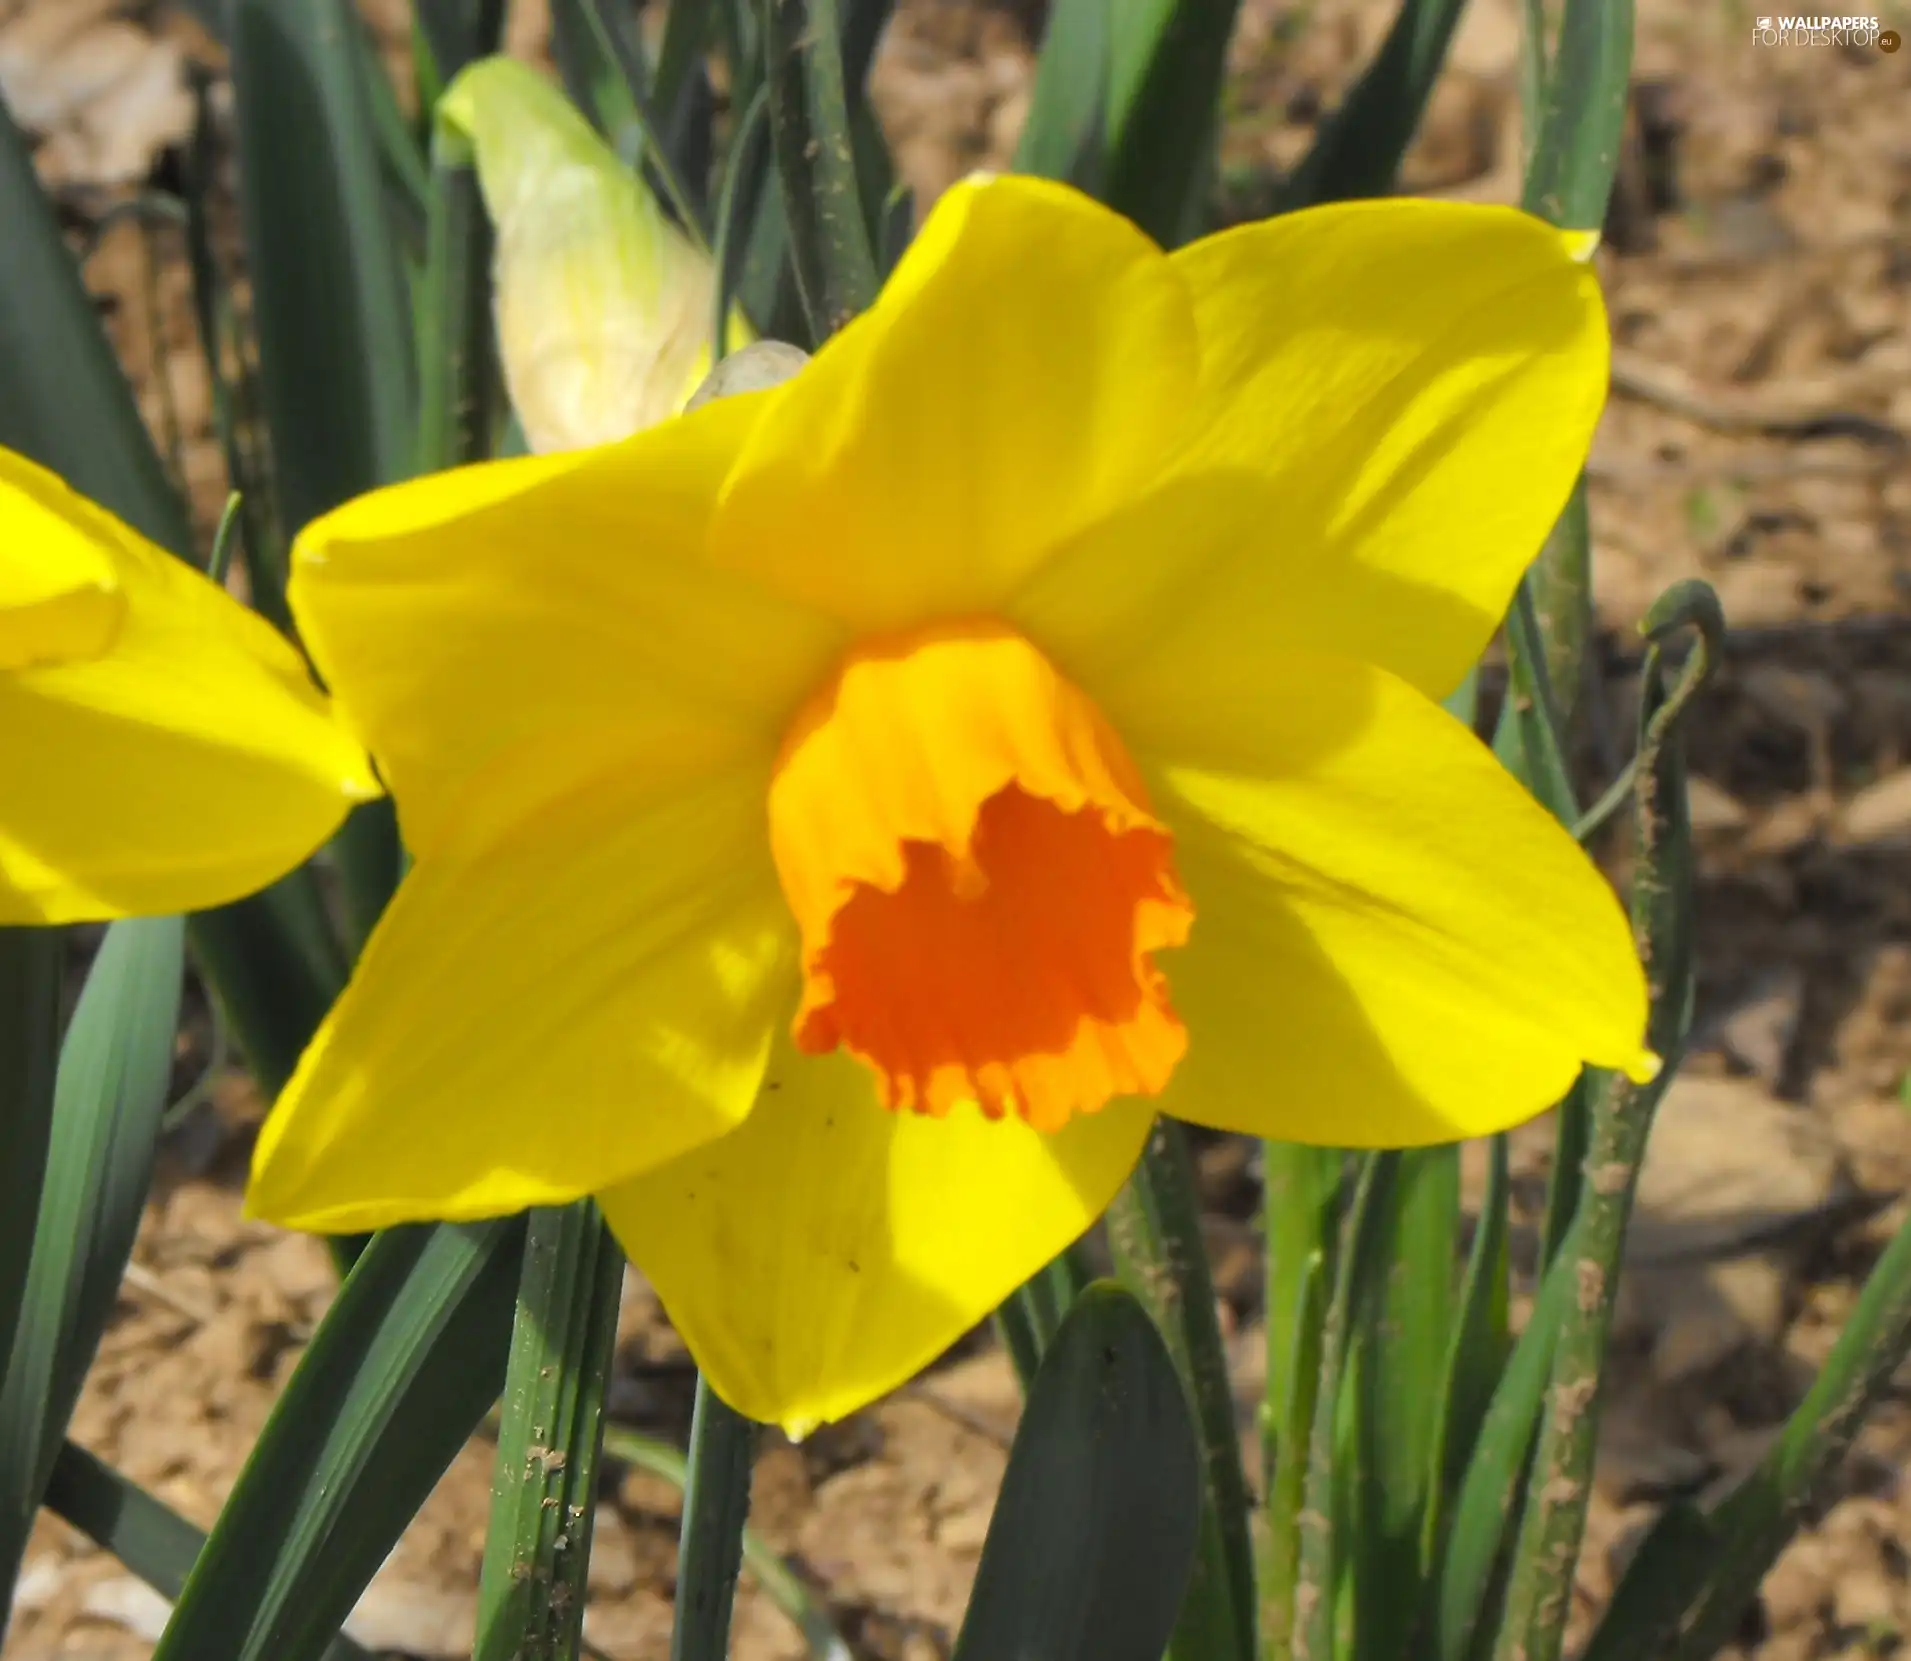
{"points": [[543, 1495], [1539, 1595], [1027, 1322], [815, 154], [779, 1581], [716, 1505], [1154, 1227]]}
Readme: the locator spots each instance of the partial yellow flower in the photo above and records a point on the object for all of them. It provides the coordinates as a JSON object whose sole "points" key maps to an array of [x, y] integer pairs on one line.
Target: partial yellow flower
{"points": [[846, 813], [604, 307], [161, 748]]}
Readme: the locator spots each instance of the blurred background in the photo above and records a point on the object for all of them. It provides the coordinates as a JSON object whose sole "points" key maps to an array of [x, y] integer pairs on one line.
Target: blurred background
{"points": [[1758, 269]]}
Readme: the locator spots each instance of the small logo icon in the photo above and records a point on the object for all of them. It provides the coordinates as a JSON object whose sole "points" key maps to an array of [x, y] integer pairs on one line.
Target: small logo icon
{"points": [[1889, 40], [1764, 25]]}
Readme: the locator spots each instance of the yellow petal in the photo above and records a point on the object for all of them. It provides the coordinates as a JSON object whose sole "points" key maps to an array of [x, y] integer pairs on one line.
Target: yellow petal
{"points": [[1396, 398], [829, 1249], [59, 597], [1027, 367], [543, 1011], [460, 615], [1393, 944], [173, 753], [603, 304]]}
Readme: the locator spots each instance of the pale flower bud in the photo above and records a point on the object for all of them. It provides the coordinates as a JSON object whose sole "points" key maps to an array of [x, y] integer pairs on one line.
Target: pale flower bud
{"points": [[603, 303]]}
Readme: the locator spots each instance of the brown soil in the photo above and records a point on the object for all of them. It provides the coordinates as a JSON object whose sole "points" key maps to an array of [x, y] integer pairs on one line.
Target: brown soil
{"points": [[1759, 278]]}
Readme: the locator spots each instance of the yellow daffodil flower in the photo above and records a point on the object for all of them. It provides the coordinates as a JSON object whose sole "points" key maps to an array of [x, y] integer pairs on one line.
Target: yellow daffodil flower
{"points": [[161, 748], [846, 813]]}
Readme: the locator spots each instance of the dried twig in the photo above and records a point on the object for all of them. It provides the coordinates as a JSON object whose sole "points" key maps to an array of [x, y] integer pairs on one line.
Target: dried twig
{"points": [[1669, 390]]}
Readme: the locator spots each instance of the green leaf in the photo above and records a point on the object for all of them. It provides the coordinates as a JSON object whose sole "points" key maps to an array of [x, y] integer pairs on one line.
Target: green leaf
{"points": [[275, 967], [1358, 149], [747, 182], [457, 32], [226, 351], [1687, 1587], [1675, 1565], [1405, 1331], [1095, 1527], [115, 1070], [330, 305], [1532, 733], [1154, 1226], [680, 89], [30, 965], [151, 1539], [1582, 116], [1486, 1509], [1300, 1190], [1334, 1473], [543, 1497], [815, 151], [1127, 105], [1063, 133], [1479, 1352], [112, 1511], [457, 380], [1562, 603], [404, 1366], [63, 400], [604, 69], [716, 1505]]}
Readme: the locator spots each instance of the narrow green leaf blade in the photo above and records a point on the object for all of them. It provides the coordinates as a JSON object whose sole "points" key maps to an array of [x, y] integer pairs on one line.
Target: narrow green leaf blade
{"points": [[1127, 104], [459, 31], [1693, 1576], [1095, 1527], [1480, 1348], [115, 1069], [329, 290], [1582, 116], [405, 1364], [458, 387], [1167, 62], [1063, 133], [1407, 1328], [1358, 149], [30, 965], [63, 400], [1300, 1187], [1486, 1509], [1334, 1489], [150, 1538]]}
